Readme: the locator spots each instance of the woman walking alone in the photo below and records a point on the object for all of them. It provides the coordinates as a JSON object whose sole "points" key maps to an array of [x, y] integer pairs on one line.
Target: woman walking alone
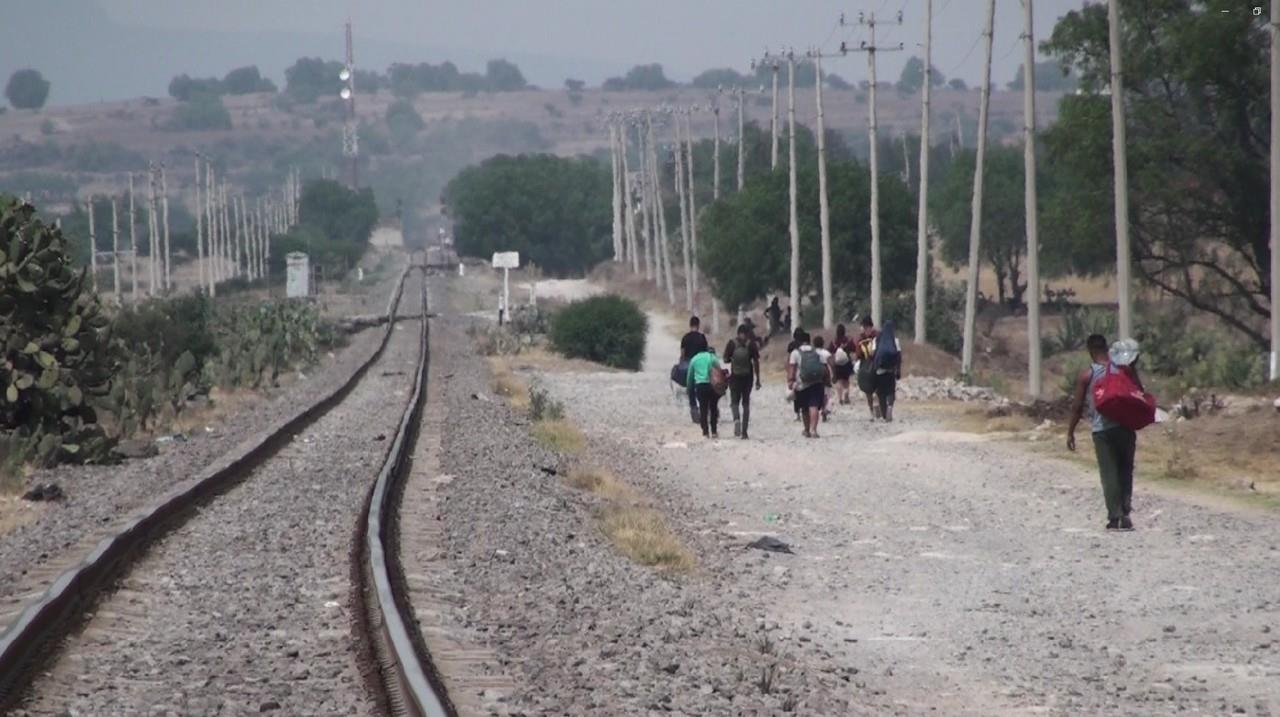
{"points": [[886, 361]]}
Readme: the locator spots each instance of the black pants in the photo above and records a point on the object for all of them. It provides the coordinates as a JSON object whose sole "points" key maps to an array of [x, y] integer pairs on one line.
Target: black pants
{"points": [[693, 401], [740, 393], [708, 407], [886, 391], [1115, 448]]}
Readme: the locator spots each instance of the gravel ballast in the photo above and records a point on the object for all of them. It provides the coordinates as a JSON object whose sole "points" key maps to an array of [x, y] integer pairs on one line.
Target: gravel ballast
{"points": [[97, 496], [246, 607]]}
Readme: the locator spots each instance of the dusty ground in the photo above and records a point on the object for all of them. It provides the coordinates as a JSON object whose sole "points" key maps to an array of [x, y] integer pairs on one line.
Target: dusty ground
{"points": [[958, 574]]}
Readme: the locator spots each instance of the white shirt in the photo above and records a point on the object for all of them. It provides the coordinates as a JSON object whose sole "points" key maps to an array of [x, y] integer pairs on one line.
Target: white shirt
{"points": [[823, 355]]}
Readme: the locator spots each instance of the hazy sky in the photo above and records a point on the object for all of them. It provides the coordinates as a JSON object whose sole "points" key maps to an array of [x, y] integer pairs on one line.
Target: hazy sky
{"points": [[685, 35], [114, 49]]}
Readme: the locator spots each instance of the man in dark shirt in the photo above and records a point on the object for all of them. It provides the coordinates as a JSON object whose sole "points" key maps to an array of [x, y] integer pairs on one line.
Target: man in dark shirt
{"points": [[743, 356], [693, 343]]}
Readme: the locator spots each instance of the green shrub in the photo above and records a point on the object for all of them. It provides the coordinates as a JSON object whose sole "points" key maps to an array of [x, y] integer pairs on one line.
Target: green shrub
{"points": [[542, 406], [1077, 325], [942, 315], [203, 111], [55, 337], [1197, 356], [607, 329]]}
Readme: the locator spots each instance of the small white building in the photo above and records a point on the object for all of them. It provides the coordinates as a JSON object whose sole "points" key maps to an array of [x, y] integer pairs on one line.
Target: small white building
{"points": [[297, 275]]}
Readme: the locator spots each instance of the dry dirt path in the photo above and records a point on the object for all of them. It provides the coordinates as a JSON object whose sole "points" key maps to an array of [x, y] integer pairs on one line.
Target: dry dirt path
{"points": [[959, 575]]}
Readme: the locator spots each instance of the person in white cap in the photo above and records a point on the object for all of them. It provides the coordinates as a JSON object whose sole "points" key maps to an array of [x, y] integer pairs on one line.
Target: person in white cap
{"points": [[1113, 444]]}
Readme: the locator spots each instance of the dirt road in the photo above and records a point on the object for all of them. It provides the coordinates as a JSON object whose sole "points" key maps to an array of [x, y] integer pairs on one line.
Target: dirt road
{"points": [[958, 575]]}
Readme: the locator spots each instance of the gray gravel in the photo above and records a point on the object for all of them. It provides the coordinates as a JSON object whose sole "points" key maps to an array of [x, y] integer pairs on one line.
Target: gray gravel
{"points": [[579, 628], [246, 606], [99, 495], [958, 575]]}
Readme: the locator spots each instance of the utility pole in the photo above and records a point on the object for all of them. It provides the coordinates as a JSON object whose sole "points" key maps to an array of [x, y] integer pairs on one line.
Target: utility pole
{"points": [[133, 243], [1275, 190], [794, 224], [115, 252], [627, 203], [215, 252], [922, 218], [1118, 144], [646, 202], [164, 204], [715, 110], [975, 222], [153, 229], [239, 226], [664, 245], [93, 249], [824, 206], [617, 194], [251, 270], [350, 135], [684, 216], [1032, 220], [741, 142], [199, 230], [693, 205], [872, 49], [227, 241]]}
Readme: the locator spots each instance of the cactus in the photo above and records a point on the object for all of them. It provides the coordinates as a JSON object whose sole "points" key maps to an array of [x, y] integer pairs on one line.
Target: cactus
{"points": [[56, 359]]}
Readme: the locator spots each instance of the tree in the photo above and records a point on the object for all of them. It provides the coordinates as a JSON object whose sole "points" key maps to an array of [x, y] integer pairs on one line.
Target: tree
{"points": [[640, 77], [1051, 76], [503, 76], [339, 214], [1196, 93], [403, 121], [202, 112], [836, 82], [720, 77], [246, 80], [183, 87], [743, 237], [573, 85], [555, 211], [957, 83], [27, 89], [311, 77], [912, 78]]}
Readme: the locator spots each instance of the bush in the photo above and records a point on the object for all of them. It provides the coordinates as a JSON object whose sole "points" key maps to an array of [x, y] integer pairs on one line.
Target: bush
{"points": [[1077, 325], [103, 157], [27, 89], [607, 329], [942, 316], [542, 406], [202, 112]]}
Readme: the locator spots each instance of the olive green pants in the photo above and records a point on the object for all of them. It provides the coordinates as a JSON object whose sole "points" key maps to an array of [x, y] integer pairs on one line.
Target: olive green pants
{"points": [[1115, 448]]}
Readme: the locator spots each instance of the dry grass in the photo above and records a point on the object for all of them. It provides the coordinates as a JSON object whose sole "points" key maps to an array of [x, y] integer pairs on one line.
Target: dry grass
{"points": [[15, 513], [642, 535], [507, 384], [560, 435], [601, 483]]}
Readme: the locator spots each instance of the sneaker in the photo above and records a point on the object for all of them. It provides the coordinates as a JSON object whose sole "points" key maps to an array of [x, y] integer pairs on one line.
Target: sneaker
{"points": [[744, 436], [737, 428], [706, 435], [1125, 523], [1113, 524], [806, 433]]}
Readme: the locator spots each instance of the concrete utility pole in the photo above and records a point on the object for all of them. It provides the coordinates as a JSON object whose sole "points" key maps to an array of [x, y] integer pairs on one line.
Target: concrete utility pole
{"points": [[239, 232], [975, 222], [693, 202], [906, 160], [93, 249], [211, 229], [715, 110], [617, 194], [251, 270], [646, 201], [1123, 256], [684, 216], [133, 243], [350, 134], [115, 252], [264, 238], [164, 205], [664, 245], [824, 208], [794, 221], [1275, 190], [872, 49], [627, 203], [922, 212], [153, 229], [199, 230], [1032, 211], [742, 143]]}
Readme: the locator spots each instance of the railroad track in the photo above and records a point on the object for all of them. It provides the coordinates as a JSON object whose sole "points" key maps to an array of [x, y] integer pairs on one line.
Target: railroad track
{"points": [[142, 596]]}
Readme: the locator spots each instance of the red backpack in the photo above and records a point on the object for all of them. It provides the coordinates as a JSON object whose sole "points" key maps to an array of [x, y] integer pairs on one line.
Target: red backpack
{"points": [[1117, 396]]}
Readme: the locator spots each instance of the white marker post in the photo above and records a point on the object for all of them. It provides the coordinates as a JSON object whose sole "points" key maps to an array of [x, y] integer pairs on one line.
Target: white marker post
{"points": [[506, 261]]}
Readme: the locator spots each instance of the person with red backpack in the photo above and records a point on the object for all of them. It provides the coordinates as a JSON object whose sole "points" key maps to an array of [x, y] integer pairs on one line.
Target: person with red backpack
{"points": [[1112, 374], [743, 356], [708, 380]]}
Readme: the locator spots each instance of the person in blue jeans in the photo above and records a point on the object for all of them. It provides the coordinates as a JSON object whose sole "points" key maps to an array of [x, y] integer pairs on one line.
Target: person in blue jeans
{"points": [[1114, 445]]}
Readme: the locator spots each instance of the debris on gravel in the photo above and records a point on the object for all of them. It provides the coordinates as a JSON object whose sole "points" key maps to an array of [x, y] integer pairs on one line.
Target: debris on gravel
{"points": [[928, 388]]}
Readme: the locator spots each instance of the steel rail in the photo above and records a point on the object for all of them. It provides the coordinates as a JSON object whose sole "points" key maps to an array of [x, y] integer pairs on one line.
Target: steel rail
{"points": [[70, 596]]}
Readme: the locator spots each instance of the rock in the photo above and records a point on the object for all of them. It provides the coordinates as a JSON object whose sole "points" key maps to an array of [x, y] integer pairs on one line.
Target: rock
{"points": [[136, 449], [44, 492], [269, 706]]}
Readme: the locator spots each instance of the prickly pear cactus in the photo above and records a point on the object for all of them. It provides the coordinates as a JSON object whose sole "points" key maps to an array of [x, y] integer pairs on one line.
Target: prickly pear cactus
{"points": [[55, 354]]}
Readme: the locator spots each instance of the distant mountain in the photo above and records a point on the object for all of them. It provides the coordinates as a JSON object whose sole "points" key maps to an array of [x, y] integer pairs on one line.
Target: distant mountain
{"points": [[89, 57]]}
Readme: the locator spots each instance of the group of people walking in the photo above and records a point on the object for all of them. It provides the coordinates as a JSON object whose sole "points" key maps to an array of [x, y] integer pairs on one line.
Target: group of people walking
{"points": [[818, 374]]}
